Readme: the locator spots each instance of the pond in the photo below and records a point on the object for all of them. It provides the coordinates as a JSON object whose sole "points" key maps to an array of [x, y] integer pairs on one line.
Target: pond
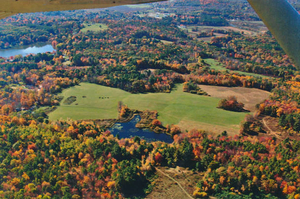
{"points": [[128, 130], [26, 50]]}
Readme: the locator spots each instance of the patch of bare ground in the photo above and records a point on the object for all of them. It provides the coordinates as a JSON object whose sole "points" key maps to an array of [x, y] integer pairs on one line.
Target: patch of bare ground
{"points": [[274, 130], [248, 96], [212, 129], [271, 123], [174, 183]]}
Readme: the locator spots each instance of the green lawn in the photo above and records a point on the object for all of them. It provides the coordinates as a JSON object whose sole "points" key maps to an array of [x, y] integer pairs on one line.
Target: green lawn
{"points": [[173, 107], [95, 27]]}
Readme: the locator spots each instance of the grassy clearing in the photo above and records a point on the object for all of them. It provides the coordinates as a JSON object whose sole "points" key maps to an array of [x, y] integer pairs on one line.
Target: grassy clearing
{"points": [[17, 86], [167, 42], [215, 64], [67, 63], [95, 27], [176, 107], [218, 66], [226, 28], [200, 29]]}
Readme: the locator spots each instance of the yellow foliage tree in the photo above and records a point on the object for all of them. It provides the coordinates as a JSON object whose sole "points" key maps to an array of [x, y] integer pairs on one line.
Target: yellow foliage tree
{"points": [[25, 176], [15, 181], [111, 184]]}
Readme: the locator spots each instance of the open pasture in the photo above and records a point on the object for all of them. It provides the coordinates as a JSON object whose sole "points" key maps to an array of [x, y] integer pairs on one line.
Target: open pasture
{"points": [[100, 102]]}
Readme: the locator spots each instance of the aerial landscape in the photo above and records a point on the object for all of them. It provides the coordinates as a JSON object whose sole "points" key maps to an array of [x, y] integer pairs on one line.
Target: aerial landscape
{"points": [[175, 99]]}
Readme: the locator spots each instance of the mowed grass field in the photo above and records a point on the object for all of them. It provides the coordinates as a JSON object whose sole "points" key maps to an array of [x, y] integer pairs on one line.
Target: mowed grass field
{"points": [[94, 27], [176, 107]]}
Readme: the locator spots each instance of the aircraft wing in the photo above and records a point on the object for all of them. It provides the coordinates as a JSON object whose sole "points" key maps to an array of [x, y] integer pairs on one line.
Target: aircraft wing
{"points": [[11, 7], [283, 21]]}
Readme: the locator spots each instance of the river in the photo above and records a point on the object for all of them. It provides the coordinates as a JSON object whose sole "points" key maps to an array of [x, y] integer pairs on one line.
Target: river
{"points": [[128, 130], [26, 50]]}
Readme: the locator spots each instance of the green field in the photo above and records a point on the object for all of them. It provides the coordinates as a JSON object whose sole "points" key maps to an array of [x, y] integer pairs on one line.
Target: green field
{"points": [[218, 66], [215, 64], [94, 27], [173, 108]]}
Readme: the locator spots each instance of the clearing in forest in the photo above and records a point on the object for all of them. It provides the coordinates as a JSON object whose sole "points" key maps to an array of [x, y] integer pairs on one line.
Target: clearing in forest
{"points": [[214, 64], [94, 27], [100, 102], [174, 183]]}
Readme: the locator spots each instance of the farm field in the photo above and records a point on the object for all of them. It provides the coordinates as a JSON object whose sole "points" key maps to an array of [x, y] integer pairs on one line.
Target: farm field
{"points": [[95, 27], [248, 96], [176, 107], [254, 26], [244, 29], [225, 28]]}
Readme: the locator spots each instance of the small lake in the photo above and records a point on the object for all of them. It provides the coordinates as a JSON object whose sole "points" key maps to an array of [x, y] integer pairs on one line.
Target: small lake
{"points": [[26, 50], [128, 130]]}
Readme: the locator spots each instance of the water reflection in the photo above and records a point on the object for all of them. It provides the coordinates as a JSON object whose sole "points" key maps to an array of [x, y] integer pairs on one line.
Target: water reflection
{"points": [[128, 130], [34, 50]]}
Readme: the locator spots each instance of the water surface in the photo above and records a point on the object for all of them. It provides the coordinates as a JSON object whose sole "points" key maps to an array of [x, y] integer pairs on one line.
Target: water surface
{"points": [[26, 50], [128, 130]]}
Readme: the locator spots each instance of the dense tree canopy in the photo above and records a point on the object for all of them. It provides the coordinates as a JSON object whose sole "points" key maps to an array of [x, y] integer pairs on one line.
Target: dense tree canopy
{"points": [[139, 53]]}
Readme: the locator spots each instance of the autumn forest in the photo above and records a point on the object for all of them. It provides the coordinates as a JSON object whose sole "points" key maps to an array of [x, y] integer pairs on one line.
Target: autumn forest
{"points": [[113, 63]]}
